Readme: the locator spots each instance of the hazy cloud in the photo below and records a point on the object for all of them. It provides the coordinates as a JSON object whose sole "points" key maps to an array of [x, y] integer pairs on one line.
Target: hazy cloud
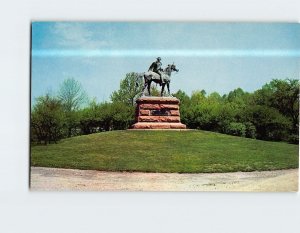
{"points": [[77, 35]]}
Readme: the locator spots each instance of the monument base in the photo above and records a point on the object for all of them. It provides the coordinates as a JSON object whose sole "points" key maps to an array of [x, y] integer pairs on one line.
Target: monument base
{"points": [[157, 113], [147, 125]]}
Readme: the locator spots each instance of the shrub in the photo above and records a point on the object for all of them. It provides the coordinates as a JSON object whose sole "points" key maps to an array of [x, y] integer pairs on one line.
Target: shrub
{"points": [[294, 139], [47, 120], [269, 123], [236, 129], [250, 130]]}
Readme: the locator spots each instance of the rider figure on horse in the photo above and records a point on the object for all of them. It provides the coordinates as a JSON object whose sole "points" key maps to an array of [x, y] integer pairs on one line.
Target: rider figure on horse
{"points": [[156, 67]]}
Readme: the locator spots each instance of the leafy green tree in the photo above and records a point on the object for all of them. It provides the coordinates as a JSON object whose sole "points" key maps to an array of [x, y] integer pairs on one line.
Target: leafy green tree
{"points": [[285, 98], [209, 112], [250, 130], [225, 114], [215, 97], [270, 124], [123, 116], [282, 95], [128, 91], [115, 116], [198, 97], [185, 103], [182, 96], [90, 118], [154, 90], [236, 95], [236, 129], [47, 120], [202, 115]]}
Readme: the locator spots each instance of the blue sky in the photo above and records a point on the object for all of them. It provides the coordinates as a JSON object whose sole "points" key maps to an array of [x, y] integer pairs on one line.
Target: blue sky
{"points": [[212, 56]]}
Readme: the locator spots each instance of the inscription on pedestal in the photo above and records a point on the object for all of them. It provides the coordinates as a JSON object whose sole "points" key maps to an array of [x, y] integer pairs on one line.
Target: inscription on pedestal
{"points": [[161, 112]]}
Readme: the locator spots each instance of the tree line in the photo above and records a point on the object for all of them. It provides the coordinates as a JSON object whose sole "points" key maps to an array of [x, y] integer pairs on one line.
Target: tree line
{"points": [[270, 113]]}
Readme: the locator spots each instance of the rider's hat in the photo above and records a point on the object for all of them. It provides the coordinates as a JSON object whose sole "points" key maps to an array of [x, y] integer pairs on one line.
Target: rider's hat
{"points": [[159, 58]]}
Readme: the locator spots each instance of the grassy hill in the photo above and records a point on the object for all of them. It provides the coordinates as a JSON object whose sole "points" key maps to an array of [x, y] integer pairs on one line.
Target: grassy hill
{"points": [[166, 151]]}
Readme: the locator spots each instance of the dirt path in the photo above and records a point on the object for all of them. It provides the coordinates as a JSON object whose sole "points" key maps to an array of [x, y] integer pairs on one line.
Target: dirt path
{"points": [[56, 179]]}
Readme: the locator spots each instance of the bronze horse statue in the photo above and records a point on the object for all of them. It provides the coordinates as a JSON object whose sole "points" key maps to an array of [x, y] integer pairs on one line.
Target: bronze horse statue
{"points": [[151, 76]]}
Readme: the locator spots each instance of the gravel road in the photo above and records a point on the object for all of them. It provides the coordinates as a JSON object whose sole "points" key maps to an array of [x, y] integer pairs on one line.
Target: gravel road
{"points": [[57, 179]]}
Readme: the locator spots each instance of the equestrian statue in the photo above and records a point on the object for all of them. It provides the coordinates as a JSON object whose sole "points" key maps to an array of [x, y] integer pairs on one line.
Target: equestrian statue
{"points": [[157, 75]]}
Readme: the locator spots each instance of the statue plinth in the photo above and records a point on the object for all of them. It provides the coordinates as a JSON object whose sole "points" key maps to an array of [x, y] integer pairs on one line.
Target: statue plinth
{"points": [[157, 113]]}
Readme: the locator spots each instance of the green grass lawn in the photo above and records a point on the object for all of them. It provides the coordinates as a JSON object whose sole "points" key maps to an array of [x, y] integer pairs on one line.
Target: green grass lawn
{"points": [[166, 151]]}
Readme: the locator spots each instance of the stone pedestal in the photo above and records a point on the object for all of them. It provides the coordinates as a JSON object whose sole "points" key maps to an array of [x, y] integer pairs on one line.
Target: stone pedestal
{"points": [[157, 113]]}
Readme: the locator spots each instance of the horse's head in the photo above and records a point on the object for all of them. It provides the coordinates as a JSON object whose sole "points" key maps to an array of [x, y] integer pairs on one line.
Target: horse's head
{"points": [[169, 69], [173, 67]]}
